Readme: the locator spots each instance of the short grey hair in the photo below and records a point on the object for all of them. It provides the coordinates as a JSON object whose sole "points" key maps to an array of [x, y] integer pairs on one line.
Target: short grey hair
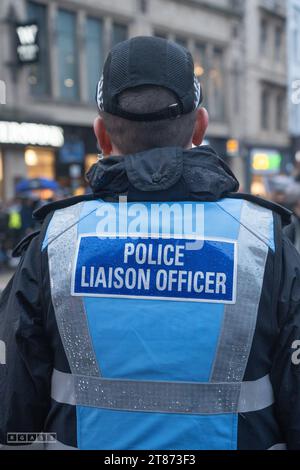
{"points": [[136, 136]]}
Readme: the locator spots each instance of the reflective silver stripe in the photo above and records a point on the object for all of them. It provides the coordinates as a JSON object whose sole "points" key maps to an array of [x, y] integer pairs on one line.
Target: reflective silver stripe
{"points": [[69, 311], [256, 395], [280, 446], [40, 446], [163, 397], [58, 446], [239, 322], [63, 387]]}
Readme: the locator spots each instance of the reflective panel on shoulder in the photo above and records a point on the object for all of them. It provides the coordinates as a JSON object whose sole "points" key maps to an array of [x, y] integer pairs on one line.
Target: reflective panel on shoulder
{"points": [[240, 319], [69, 311]]}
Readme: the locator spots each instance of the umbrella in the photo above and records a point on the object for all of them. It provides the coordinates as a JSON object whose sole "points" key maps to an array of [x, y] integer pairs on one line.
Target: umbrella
{"points": [[36, 184]]}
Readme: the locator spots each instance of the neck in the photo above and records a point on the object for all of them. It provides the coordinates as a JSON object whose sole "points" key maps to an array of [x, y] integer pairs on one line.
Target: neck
{"points": [[117, 153]]}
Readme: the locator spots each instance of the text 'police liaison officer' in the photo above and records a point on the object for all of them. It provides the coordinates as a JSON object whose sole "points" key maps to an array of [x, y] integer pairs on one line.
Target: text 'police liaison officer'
{"points": [[110, 350]]}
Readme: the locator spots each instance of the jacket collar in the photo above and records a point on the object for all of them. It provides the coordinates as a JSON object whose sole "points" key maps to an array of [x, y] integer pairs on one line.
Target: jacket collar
{"points": [[169, 173]]}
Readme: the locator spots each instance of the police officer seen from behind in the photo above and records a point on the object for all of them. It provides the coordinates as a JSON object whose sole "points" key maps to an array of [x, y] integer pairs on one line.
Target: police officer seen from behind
{"points": [[162, 311]]}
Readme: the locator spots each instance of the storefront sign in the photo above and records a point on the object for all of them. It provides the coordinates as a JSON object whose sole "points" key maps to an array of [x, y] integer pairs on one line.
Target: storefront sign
{"points": [[265, 162], [31, 134], [28, 48], [72, 152]]}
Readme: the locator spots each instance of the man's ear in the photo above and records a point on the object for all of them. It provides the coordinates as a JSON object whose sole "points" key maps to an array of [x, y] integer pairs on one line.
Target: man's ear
{"points": [[201, 125], [102, 136]]}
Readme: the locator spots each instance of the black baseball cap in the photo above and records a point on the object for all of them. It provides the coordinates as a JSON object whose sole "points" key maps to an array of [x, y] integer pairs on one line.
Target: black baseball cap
{"points": [[147, 60]]}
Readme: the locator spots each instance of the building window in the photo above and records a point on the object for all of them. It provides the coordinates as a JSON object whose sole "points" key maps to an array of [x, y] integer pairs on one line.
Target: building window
{"points": [[119, 33], [216, 83], [296, 35], [67, 54], [40, 162], [143, 6], [263, 35], [280, 112], [39, 76], [278, 42], [94, 54], [236, 74], [235, 32], [265, 109]]}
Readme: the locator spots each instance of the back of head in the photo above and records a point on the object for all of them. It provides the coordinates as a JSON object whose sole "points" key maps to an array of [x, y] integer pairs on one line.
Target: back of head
{"points": [[137, 136], [148, 95]]}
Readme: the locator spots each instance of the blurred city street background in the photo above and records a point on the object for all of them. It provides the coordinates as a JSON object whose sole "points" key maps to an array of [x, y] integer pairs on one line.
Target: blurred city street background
{"points": [[247, 57]]}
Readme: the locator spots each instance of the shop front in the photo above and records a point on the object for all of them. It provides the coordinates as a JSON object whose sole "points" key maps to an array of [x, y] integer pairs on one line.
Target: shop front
{"points": [[265, 163], [33, 151], [27, 150]]}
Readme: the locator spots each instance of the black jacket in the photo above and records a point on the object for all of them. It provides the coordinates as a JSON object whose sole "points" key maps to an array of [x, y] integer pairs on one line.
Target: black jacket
{"points": [[29, 330]]}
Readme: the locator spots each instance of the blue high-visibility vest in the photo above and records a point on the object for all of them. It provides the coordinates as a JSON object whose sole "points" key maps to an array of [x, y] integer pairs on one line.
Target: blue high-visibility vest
{"points": [[156, 306]]}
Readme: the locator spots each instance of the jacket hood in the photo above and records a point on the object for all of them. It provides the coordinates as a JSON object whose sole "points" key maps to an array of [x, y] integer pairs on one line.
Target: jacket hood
{"points": [[180, 174]]}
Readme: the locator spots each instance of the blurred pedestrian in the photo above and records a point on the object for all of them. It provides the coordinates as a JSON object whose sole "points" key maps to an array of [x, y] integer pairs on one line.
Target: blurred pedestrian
{"points": [[277, 187], [14, 222]]}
